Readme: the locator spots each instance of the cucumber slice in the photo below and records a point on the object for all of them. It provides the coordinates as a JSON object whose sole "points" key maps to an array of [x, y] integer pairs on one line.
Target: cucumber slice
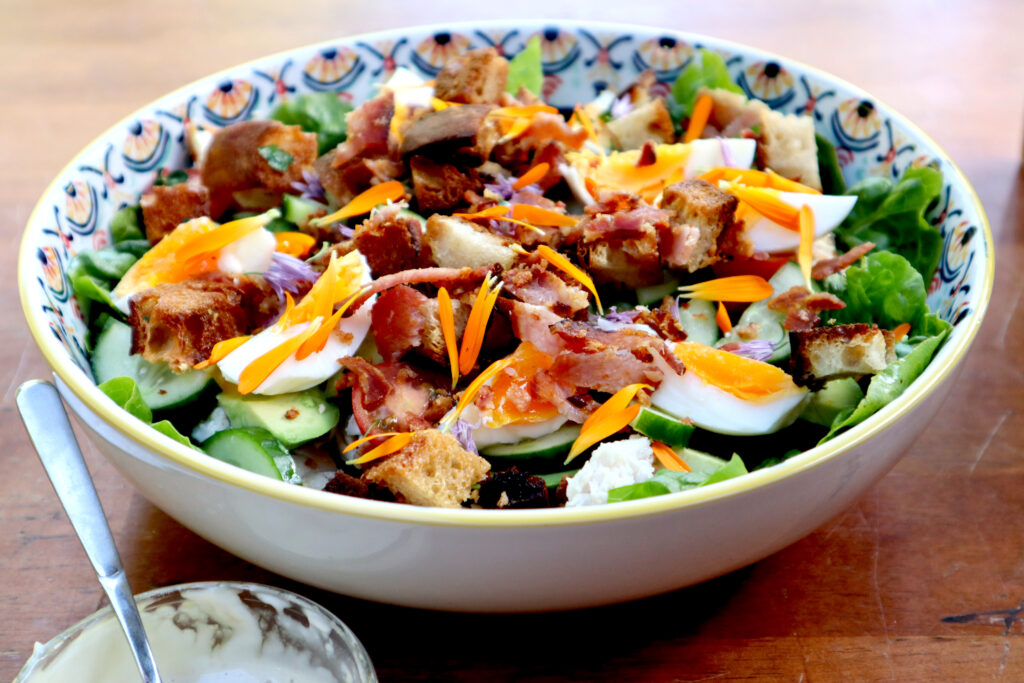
{"points": [[769, 322], [160, 386], [298, 210], [548, 447], [660, 426], [250, 448], [699, 461], [653, 295], [697, 318]]}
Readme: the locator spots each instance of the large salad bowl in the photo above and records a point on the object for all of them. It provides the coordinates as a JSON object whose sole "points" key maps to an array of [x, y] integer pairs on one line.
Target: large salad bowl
{"points": [[489, 560]]}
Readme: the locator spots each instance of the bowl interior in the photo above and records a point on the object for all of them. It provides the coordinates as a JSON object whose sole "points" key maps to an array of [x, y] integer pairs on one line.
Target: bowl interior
{"points": [[579, 60]]}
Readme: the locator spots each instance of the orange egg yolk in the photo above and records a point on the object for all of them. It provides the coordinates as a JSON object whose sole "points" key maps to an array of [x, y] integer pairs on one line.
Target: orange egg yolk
{"points": [[513, 398]]}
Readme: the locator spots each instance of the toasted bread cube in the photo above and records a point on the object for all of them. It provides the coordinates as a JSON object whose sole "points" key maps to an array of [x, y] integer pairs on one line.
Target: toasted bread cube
{"points": [[166, 206], [476, 77], [787, 146], [390, 240], [632, 262], [441, 187], [234, 162], [835, 351], [458, 243], [695, 205], [649, 122], [432, 470]]}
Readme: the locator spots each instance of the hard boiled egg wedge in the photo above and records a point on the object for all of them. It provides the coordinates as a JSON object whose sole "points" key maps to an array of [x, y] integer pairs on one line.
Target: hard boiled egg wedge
{"points": [[767, 236], [729, 394], [343, 341], [409, 89]]}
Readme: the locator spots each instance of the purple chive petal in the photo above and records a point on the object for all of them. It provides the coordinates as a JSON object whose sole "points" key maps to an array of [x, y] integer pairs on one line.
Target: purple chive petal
{"points": [[463, 433], [727, 157], [758, 349], [310, 186], [346, 231], [621, 106], [288, 274], [621, 316], [502, 187]]}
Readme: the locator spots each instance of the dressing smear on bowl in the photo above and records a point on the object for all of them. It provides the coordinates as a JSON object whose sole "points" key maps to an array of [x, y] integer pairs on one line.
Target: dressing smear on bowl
{"points": [[213, 634]]}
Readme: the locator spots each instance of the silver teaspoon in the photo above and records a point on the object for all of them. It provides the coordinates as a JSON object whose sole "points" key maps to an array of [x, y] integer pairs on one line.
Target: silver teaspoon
{"points": [[48, 427]]}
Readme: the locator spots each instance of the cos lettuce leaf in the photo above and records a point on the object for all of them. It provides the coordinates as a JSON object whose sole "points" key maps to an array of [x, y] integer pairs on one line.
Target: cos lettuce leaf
{"points": [[710, 73], [524, 70], [887, 385], [321, 113], [892, 216], [667, 481], [125, 393]]}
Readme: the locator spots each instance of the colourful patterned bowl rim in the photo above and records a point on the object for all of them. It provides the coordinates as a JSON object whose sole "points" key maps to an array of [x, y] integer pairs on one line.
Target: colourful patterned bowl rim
{"points": [[871, 137]]}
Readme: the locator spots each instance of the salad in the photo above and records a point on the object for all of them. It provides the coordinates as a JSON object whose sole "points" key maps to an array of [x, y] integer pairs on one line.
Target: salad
{"points": [[456, 294]]}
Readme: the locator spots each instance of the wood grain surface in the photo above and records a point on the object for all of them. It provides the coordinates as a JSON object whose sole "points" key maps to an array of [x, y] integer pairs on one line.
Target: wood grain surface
{"points": [[922, 580]]}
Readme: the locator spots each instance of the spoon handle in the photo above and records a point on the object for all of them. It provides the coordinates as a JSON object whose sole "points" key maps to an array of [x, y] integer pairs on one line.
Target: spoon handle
{"points": [[48, 427]]}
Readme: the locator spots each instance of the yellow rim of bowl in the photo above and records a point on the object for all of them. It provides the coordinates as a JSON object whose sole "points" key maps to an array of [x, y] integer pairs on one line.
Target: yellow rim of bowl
{"points": [[76, 380]]}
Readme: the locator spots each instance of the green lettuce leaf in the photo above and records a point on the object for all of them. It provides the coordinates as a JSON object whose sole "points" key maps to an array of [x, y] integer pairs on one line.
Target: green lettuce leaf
{"points": [[667, 481], [711, 73], [524, 70], [832, 180], [892, 216], [321, 113], [127, 224], [881, 288], [887, 385], [125, 393]]}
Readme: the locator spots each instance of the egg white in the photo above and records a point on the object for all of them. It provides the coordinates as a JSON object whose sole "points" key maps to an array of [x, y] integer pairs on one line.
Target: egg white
{"points": [[829, 211], [706, 154], [250, 253], [716, 410], [409, 89]]}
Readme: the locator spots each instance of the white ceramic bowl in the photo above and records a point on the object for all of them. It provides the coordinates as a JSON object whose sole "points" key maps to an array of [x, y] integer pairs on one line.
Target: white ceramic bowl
{"points": [[485, 560], [210, 631]]}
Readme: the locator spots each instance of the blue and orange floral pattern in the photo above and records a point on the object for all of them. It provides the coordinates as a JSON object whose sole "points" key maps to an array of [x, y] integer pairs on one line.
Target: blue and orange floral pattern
{"points": [[578, 60]]}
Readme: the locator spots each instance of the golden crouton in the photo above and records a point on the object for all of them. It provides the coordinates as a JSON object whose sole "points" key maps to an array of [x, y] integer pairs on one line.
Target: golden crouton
{"points": [[432, 470], [166, 206], [441, 187], [695, 205], [835, 351], [458, 243], [180, 323], [390, 240], [234, 160], [649, 122], [476, 77]]}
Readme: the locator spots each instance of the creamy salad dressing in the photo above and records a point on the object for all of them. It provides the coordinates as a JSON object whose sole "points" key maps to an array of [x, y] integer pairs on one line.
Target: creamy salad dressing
{"points": [[208, 636]]}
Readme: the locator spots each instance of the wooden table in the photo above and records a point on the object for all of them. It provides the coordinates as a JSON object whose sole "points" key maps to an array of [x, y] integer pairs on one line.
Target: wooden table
{"points": [[867, 597]]}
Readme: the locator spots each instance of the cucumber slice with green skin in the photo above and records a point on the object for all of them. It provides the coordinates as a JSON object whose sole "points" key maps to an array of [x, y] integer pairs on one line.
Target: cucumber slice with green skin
{"points": [[160, 386], [653, 295], [769, 322], [697, 318], [553, 479], [298, 210], [548, 447], [660, 426], [250, 448], [699, 461]]}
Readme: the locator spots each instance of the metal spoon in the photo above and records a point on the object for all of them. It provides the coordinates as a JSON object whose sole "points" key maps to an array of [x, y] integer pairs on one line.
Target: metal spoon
{"points": [[48, 427]]}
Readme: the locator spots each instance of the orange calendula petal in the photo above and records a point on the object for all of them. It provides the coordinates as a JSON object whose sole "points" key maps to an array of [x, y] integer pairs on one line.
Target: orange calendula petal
{"points": [[699, 119], [478, 336], [898, 332], [805, 253], [447, 316], [613, 415], [751, 177], [722, 318], [532, 176], [527, 110], [318, 340], [585, 121], [541, 216], [256, 372], [476, 325], [567, 266], [395, 443], [767, 203], [474, 387], [296, 244], [365, 202], [498, 211], [668, 457], [359, 442], [222, 349], [223, 235], [736, 288], [516, 128]]}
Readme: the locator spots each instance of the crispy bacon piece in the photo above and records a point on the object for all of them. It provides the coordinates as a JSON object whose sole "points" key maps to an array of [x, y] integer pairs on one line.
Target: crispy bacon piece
{"points": [[663, 320], [397, 322], [802, 307], [822, 269], [622, 245], [452, 278], [363, 158], [463, 133], [535, 284], [532, 323], [394, 397], [545, 130]]}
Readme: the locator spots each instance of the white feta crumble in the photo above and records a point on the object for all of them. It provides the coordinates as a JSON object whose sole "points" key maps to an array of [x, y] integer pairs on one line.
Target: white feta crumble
{"points": [[217, 422], [614, 464]]}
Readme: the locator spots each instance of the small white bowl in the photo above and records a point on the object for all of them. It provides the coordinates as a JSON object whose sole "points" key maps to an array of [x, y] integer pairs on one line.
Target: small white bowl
{"points": [[210, 632], [497, 560]]}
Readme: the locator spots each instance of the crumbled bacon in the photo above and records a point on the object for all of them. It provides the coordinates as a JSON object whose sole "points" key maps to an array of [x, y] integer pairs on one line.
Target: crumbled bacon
{"points": [[535, 284], [664, 320], [532, 323], [802, 307], [822, 269], [452, 278], [397, 322], [368, 128]]}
